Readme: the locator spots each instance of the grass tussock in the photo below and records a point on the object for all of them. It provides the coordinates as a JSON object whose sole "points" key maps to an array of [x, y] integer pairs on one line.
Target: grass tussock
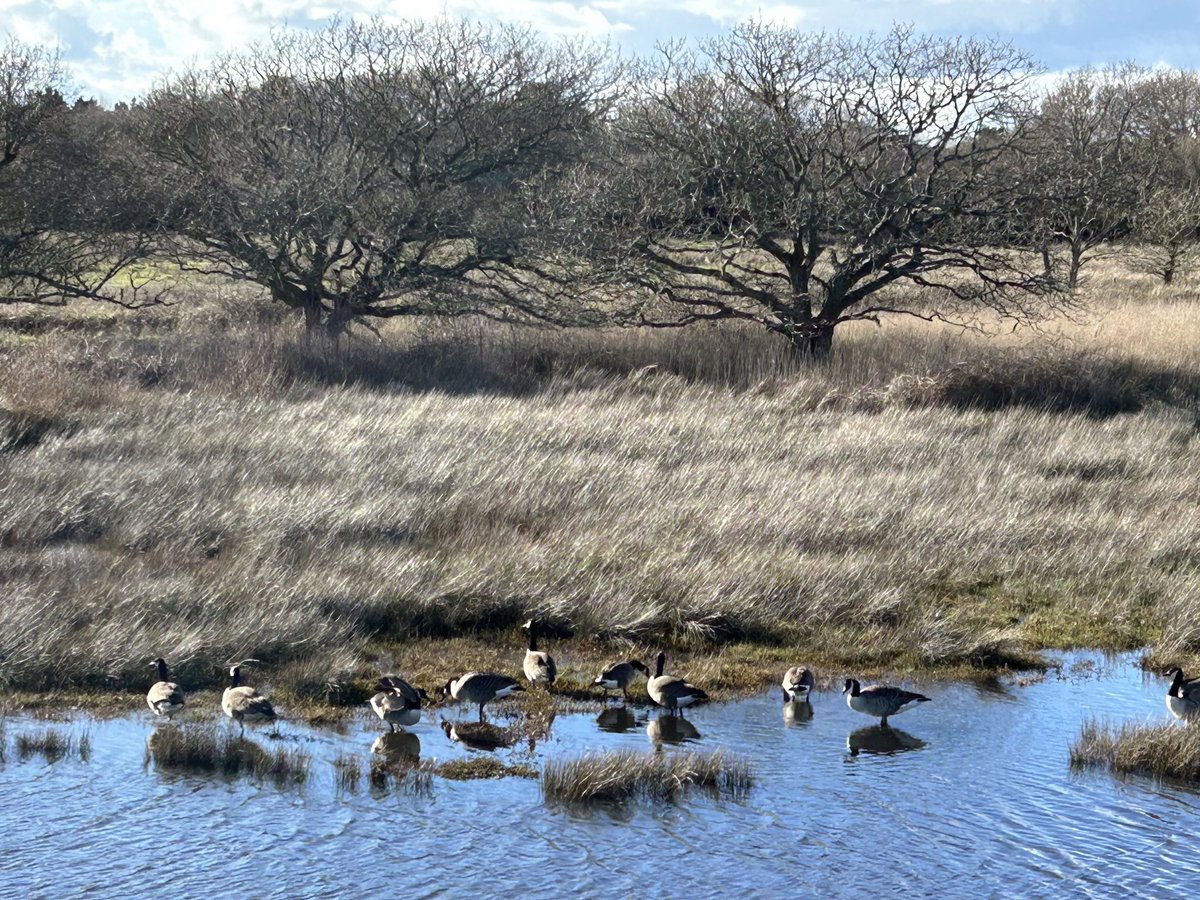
{"points": [[1165, 750], [218, 751], [927, 497], [616, 777], [1159, 751], [390, 776], [53, 744], [349, 772]]}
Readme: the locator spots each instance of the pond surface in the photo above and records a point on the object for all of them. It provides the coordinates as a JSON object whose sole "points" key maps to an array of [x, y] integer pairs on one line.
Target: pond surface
{"points": [[971, 796]]}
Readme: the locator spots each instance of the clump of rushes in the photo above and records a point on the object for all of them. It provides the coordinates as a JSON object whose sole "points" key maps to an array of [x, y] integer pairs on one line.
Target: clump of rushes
{"points": [[1161, 751], [400, 776], [51, 744], [221, 752], [349, 772], [616, 777]]}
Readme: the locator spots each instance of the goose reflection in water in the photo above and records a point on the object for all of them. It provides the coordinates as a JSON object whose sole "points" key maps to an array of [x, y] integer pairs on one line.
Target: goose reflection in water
{"points": [[797, 712], [880, 740], [479, 735], [617, 719], [668, 729], [397, 747]]}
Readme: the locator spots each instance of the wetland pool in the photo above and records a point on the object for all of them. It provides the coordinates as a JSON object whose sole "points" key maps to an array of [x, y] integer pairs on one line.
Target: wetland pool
{"points": [[969, 795]]}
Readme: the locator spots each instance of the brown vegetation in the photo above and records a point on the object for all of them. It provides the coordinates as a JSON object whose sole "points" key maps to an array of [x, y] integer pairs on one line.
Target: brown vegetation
{"points": [[212, 486], [614, 777], [1164, 751], [218, 750]]}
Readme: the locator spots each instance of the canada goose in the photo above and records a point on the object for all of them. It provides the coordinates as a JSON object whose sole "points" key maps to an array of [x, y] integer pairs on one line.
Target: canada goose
{"points": [[670, 692], [620, 676], [394, 705], [165, 697], [879, 740], [797, 683], [879, 700], [480, 688], [1183, 697], [243, 703], [539, 665], [413, 695], [671, 730]]}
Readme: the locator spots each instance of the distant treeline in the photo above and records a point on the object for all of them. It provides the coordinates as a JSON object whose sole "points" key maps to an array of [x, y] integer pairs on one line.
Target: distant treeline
{"points": [[791, 179]]}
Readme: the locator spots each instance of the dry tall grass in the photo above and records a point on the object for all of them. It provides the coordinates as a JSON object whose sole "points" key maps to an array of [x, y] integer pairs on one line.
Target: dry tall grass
{"points": [[202, 484], [615, 777]]}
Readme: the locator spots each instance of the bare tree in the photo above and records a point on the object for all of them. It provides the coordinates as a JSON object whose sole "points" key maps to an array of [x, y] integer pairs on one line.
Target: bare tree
{"points": [[1089, 168], [1166, 223], [370, 171], [62, 235], [801, 181]]}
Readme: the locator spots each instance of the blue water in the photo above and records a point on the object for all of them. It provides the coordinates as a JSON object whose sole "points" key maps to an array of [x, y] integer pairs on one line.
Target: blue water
{"points": [[971, 796]]}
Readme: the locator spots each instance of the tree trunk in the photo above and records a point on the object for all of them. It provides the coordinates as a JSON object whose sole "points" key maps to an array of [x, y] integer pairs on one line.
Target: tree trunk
{"points": [[815, 341], [312, 318], [1075, 265]]}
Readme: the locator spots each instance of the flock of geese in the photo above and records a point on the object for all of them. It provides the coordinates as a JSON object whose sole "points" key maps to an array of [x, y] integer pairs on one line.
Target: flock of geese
{"points": [[398, 703]]}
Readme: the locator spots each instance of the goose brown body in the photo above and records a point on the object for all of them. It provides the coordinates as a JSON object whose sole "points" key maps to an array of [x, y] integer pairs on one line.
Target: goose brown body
{"points": [[798, 682], [397, 703], [670, 692], [539, 666], [480, 688], [619, 676], [1183, 696], [879, 700], [165, 697], [243, 703]]}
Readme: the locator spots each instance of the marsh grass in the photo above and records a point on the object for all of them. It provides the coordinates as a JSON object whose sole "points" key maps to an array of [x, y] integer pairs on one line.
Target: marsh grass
{"points": [[1162, 751], [621, 776], [53, 744], [385, 778], [219, 751], [349, 772], [926, 498]]}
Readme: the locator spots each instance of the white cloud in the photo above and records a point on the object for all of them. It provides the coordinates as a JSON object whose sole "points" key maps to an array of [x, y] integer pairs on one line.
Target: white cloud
{"points": [[117, 48]]}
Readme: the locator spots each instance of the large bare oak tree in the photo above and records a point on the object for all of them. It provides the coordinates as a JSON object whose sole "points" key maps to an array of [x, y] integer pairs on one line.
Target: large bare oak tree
{"points": [[368, 171], [801, 181]]}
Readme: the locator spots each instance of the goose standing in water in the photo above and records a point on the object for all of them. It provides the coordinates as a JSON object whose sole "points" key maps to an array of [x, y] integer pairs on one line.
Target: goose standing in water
{"points": [[1183, 696], [798, 682], [478, 688], [619, 676], [397, 703], [879, 700], [539, 665], [672, 693], [165, 697], [243, 703]]}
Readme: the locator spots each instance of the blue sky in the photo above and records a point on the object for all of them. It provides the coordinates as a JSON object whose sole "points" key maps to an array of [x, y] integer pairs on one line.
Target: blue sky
{"points": [[116, 48]]}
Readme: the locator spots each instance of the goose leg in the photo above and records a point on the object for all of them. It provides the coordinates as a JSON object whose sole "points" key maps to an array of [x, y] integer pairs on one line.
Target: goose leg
{"points": [[883, 722], [480, 712]]}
